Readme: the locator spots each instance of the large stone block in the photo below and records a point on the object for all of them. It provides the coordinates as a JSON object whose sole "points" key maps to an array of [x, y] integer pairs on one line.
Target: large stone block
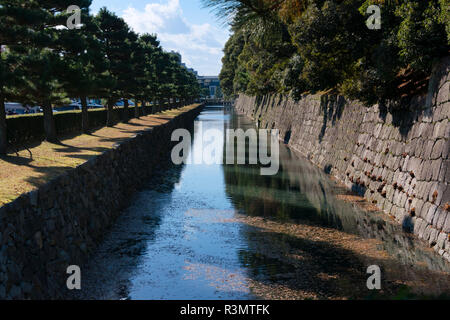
{"points": [[443, 95], [431, 216], [436, 169], [439, 129], [439, 219], [446, 227], [437, 149]]}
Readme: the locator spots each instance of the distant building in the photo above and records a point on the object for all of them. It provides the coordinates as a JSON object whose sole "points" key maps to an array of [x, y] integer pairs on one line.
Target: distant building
{"points": [[212, 83], [192, 71], [182, 63], [209, 84], [177, 54]]}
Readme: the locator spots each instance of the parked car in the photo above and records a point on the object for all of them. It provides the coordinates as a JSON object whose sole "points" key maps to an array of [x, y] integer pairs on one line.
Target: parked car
{"points": [[35, 109], [95, 106], [120, 103], [15, 108]]}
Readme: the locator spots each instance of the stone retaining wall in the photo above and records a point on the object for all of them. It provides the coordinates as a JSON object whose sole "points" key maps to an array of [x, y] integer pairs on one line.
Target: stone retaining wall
{"points": [[45, 231], [398, 159]]}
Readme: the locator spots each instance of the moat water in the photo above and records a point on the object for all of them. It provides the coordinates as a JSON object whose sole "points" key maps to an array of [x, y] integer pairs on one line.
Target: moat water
{"points": [[227, 232]]}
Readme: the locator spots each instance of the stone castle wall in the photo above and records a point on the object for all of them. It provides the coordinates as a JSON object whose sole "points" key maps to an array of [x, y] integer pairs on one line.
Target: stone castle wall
{"points": [[61, 223], [398, 159]]}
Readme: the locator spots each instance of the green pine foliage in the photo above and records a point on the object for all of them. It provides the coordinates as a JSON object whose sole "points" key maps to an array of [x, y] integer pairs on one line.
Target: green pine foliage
{"points": [[297, 46], [45, 63]]}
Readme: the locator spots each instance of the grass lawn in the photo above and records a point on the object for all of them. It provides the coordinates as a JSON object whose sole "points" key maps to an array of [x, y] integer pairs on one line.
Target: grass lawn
{"points": [[27, 170]]}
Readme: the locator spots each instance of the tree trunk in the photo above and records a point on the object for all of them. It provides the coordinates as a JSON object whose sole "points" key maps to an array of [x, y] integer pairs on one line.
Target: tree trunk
{"points": [[49, 123], [3, 137], [136, 109], [125, 110], [84, 115], [144, 108], [109, 114]]}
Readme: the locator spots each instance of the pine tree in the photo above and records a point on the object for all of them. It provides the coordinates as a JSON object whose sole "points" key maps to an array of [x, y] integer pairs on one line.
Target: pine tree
{"points": [[85, 64], [113, 33], [41, 52], [12, 32], [142, 69], [166, 65], [153, 53], [9, 79], [128, 67]]}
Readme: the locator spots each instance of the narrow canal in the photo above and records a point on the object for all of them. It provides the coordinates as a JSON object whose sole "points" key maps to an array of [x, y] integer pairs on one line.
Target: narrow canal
{"points": [[226, 232]]}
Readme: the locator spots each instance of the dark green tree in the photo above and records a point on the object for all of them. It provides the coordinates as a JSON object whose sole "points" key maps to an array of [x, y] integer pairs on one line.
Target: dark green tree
{"points": [[11, 80], [152, 56], [10, 34], [128, 66], [42, 55], [113, 33], [139, 80], [84, 64], [232, 51], [334, 49]]}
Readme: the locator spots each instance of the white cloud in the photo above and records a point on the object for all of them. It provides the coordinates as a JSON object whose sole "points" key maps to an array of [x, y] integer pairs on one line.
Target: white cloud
{"points": [[200, 44]]}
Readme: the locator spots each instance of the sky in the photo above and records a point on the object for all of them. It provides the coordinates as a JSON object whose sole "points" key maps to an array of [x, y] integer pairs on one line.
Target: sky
{"points": [[181, 25]]}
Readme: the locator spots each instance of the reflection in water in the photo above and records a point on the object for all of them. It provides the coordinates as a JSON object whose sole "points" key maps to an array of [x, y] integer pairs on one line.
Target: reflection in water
{"points": [[226, 232], [301, 198]]}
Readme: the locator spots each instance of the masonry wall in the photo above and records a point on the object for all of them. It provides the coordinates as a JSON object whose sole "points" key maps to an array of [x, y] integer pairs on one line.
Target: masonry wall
{"points": [[45, 231], [398, 159]]}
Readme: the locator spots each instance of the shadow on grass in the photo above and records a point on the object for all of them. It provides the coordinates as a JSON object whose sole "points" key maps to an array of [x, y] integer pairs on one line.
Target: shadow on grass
{"points": [[17, 160], [47, 174], [66, 148]]}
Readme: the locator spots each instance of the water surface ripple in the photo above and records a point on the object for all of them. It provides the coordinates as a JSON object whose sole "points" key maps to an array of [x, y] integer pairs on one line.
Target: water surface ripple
{"points": [[226, 232]]}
